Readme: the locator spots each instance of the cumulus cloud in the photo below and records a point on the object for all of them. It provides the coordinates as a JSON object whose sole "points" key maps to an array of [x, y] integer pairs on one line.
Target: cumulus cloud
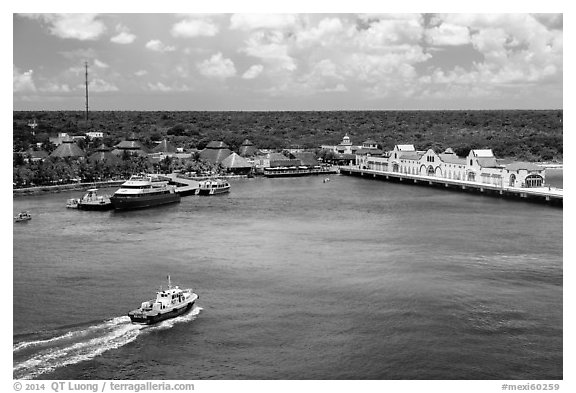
{"points": [[262, 21], [195, 27], [447, 34], [270, 46], [217, 66], [22, 82], [141, 73], [159, 46], [75, 26], [253, 71], [100, 64], [101, 86], [55, 88], [124, 36]]}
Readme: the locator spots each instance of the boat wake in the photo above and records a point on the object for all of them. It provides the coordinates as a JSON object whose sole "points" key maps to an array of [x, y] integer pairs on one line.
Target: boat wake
{"points": [[33, 357]]}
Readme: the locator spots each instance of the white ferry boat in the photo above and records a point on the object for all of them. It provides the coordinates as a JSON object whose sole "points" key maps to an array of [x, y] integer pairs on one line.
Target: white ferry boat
{"points": [[213, 187], [142, 191], [23, 216], [92, 201], [169, 303]]}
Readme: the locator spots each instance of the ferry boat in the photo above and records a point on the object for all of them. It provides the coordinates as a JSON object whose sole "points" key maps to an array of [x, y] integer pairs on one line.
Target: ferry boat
{"points": [[294, 171], [213, 187], [72, 203], [92, 201], [169, 303], [23, 216], [142, 191]]}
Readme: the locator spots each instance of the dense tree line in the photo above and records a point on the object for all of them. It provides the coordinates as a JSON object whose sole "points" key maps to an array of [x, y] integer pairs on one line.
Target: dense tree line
{"points": [[533, 135]]}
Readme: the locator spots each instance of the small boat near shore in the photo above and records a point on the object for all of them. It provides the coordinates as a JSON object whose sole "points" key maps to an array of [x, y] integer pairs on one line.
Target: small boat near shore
{"points": [[169, 303], [142, 191], [22, 217], [213, 187], [92, 201]]}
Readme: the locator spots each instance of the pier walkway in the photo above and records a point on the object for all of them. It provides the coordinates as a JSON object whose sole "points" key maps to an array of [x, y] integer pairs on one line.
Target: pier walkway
{"points": [[550, 195], [184, 186]]}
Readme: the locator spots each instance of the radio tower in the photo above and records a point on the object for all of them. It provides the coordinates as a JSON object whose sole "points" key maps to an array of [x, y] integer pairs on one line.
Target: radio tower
{"points": [[86, 65]]}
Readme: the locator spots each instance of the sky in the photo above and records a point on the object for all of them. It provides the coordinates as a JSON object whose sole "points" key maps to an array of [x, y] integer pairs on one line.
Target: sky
{"points": [[288, 61]]}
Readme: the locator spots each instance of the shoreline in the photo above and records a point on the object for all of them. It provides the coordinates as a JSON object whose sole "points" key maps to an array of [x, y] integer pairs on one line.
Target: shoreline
{"points": [[64, 187]]}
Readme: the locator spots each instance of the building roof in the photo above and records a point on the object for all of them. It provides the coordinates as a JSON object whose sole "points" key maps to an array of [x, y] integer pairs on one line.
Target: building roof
{"points": [[104, 155], [36, 154], [410, 155], [451, 158], [215, 155], [369, 141], [487, 162], [235, 161], [306, 158], [365, 150], [68, 149], [216, 145], [529, 166], [247, 149], [484, 153], [276, 157], [164, 147], [405, 147], [285, 162]]}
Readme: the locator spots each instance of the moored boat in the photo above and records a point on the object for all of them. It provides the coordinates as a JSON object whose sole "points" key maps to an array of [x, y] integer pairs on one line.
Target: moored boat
{"points": [[92, 201], [72, 203], [23, 216], [213, 187], [169, 303], [141, 191]]}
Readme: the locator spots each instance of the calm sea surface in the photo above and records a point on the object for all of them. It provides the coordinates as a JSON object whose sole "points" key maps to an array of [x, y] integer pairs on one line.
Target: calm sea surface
{"points": [[298, 279]]}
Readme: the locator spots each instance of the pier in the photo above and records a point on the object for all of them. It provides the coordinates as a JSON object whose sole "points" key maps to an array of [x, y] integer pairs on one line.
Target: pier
{"points": [[552, 196], [184, 186]]}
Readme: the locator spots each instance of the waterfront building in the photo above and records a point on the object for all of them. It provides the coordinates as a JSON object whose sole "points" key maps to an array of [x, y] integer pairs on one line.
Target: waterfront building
{"points": [[215, 152], [344, 147], [95, 134], [307, 158], [480, 166], [68, 148]]}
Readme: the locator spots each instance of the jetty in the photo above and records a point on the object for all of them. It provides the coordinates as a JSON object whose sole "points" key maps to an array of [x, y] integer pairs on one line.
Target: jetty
{"points": [[548, 195], [184, 186]]}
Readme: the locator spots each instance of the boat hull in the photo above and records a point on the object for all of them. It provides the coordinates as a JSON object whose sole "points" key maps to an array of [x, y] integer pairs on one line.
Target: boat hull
{"points": [[146, 319], [213, 191], [95, 206], [141, 202]]}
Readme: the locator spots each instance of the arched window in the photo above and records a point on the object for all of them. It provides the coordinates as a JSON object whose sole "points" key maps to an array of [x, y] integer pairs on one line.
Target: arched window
{"points": [[394, 167], [471, 176], [431, 171], [512, 182], [533, 181]]}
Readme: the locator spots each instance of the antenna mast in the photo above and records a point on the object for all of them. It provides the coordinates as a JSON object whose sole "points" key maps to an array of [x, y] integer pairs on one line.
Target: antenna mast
{"points": [[86, 65]]}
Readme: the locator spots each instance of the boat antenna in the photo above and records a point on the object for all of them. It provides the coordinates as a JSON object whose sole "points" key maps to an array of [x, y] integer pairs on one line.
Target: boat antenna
{"points": [[169, 284]]}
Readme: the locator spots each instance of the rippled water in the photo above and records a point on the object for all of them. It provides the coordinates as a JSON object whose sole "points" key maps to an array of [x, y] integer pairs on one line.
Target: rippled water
{"points": [[298, 279]]}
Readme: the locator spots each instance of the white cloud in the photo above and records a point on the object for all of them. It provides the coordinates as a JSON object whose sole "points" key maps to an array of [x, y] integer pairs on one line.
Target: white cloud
{"points": [[253, 72], [55, 88], [101, 86], [339, 88], [217, 67], [262, 21], [447, 34], [76, 26], [22, 81], [327, 31], [158, 46], [141, 73], [100, 64], [270, 46], [124, 36], [159, 86], [195, 27]]}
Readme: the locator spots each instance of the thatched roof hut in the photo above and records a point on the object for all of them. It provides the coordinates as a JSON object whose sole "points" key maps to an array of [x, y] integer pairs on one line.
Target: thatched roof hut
{"points": [[102, 154], [68, 149], [131, 145], [247, 149], [215, 152], [164, 147], [237, 164]]}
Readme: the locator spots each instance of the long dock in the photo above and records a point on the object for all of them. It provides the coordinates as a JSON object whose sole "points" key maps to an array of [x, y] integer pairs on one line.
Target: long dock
{"points": [[184, 186], [552, 196]]}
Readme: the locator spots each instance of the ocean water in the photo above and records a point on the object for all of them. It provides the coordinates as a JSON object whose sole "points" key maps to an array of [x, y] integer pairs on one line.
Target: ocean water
{"points": [[298, 279]]}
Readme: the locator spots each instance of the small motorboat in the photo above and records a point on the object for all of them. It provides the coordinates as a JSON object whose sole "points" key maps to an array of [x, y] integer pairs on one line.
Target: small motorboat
{"points": [[169, 303], [72, 203], [213, 187], [23, 216]]}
